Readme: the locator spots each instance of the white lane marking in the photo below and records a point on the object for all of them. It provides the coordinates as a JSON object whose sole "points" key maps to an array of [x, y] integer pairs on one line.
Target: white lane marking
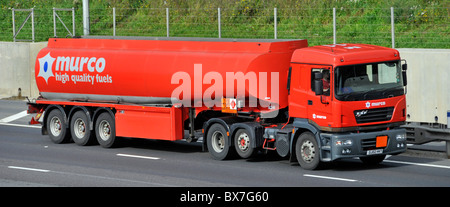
{"points": [[330, 178], [115, 179], [138, 156], [14, 117], [418, 164], [29, 169], [92, 176], [21, 125]]}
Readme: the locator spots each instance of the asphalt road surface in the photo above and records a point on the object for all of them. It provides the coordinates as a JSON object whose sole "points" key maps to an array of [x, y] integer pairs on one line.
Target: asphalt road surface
{"points": [[29, 159]]}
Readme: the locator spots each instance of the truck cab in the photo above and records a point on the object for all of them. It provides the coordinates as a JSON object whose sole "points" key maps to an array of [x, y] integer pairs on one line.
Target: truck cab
{"points": [[347, 100]]}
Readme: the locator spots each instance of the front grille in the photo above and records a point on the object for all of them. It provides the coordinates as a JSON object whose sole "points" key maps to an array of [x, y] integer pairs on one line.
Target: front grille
{"points": [[368, 144], [373, 115]]}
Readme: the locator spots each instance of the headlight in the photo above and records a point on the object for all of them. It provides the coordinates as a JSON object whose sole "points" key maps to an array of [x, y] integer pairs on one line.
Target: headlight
{"points": [[400, 137], [347, 142]]}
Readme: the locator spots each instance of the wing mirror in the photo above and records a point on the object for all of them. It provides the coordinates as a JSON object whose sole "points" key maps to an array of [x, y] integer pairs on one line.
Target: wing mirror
{"points": [[318, 83]]}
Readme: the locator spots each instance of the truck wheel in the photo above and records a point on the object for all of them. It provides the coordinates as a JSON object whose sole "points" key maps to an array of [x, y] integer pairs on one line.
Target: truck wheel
{"points": [[79, 128], [56, 129], [242, 144], [307, 151], [105, 130], [217, 142]]}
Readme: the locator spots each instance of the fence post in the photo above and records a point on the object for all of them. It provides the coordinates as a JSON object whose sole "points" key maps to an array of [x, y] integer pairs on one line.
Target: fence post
{"points": [[218, 22], [54, 22], [167, 21], [14, 25], [392, 27], [114, 21], [275, 23], [32, 24], [334, 25], [86, 17], [73, 21]]}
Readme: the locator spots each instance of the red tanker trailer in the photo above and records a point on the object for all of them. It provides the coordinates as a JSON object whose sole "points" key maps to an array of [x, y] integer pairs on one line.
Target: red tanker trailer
{"points": [[315, 104]]}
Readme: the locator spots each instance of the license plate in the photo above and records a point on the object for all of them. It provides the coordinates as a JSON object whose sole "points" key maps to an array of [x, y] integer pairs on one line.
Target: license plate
{"points": [[374, 152]]}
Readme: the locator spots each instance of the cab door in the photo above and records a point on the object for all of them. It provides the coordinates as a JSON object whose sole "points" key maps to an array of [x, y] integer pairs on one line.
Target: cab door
{"points": [[303, 102], [319, 107]]}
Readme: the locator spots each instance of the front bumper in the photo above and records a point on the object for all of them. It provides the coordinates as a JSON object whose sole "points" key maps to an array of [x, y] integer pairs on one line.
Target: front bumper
{"points": [[348, 145]]}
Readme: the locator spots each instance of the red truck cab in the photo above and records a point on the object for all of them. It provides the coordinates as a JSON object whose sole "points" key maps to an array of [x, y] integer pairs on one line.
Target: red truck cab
{"points": [[347, 100]]}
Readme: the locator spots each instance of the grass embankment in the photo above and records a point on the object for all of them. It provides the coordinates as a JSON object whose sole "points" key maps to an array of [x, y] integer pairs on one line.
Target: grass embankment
{"points": [[418, 23]]}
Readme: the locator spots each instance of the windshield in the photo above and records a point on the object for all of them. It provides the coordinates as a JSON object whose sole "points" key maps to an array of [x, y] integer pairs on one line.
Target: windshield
{"points": [[368, 81]]}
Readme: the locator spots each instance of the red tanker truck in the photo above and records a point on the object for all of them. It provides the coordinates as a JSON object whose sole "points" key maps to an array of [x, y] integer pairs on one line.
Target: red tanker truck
{"points": [[310, 104]]}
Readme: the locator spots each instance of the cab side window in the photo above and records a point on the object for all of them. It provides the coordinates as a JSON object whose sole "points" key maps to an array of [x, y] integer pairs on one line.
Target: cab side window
{"points": [[325, 79]]}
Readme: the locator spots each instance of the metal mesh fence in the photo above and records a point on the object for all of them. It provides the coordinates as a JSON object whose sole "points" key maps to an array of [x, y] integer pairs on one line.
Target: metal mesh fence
{"points": [[413, 27]]}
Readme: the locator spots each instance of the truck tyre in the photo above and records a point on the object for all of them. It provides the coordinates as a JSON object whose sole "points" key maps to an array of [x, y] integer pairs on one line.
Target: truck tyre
{"points": [[105, 130], [307, 151], [57, 130], [242, 142], [79, 129], [217, 142]]}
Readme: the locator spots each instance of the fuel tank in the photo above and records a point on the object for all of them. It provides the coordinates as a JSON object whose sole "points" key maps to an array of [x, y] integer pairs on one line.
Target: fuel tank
{"points": [[149, 70]]}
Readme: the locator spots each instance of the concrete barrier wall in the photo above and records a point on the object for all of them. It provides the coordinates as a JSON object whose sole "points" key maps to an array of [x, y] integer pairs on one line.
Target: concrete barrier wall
{"points": [[17, 61], [428, 94]]}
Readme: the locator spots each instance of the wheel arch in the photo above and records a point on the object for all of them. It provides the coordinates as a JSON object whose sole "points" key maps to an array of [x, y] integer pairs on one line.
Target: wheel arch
{"points": [[47, 110], [99, 111], [226, 122], [302, 126], [86, 110], [255, 129]]}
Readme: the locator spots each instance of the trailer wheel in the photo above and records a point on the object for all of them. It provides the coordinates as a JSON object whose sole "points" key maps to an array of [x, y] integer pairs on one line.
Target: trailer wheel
{"points": [[105, 130], [242, 141], [217, 142], [307, 151], [79, 128], [56, 127]]}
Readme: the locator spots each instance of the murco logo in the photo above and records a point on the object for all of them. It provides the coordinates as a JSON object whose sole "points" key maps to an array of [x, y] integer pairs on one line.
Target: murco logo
{"points": [[73, 64], [45, 67], [381, 103]]}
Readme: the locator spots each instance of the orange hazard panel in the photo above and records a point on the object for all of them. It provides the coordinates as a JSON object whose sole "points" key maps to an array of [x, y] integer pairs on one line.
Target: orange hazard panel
{"points": [[381, 141], [150, 122]]}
